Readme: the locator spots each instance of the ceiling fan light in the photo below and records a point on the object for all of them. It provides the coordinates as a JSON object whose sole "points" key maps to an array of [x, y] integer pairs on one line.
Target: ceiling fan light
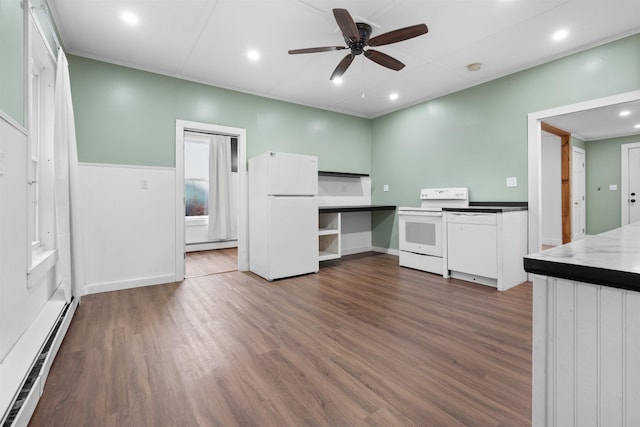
{"points": [[624, 113], [393, 96], [337, 81]]}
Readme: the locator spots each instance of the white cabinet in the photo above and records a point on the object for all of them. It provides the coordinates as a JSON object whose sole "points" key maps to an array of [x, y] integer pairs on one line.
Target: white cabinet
{"points": [[329, 235], [473, 244], [486, 247]]}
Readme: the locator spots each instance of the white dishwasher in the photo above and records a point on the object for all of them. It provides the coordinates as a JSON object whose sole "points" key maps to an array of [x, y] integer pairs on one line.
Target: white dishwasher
{"points": [[472, 246]]}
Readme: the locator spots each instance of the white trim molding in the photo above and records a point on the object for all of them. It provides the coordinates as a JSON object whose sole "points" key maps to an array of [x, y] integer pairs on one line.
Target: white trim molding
{"points": [[243, 198], [535, 155]]}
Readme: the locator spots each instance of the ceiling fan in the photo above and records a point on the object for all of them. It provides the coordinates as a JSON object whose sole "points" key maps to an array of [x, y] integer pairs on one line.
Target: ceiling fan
{"points": [[356, 36]]}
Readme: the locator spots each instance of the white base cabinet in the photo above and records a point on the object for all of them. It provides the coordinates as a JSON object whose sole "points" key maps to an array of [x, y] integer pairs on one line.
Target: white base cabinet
{"points": [[486, 247]]}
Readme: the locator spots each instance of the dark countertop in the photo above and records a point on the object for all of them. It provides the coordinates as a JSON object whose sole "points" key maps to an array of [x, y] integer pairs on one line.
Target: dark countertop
{"points": [[363, 208], [608, 259], [487, 209]]}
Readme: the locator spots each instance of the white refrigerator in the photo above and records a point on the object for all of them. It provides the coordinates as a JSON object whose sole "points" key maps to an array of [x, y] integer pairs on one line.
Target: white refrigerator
{"points": [[283, 215]]}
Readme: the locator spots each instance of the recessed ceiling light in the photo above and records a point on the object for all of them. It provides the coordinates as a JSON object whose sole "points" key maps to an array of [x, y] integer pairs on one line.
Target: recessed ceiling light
{"points": [[624, 113], [637, 126], [130, 17], [337, 81], [253, 55], [475, 66], [393, 96], [560, 35]]}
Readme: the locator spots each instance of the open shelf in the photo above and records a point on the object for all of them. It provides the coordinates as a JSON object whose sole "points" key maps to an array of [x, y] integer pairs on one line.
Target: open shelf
{"points": [[328, 236]]}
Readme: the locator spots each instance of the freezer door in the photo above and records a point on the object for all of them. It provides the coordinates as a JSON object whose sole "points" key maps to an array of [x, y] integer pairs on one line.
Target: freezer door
{"points": [[293, 236], [292, 174]]}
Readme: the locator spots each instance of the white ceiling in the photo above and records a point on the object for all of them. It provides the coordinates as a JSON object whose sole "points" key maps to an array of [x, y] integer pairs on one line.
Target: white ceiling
{"points": [[601, 123], [207, 41]]}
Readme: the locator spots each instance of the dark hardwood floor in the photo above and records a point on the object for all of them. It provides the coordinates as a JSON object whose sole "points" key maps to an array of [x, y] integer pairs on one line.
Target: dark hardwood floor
{"points": [[363, 342]]}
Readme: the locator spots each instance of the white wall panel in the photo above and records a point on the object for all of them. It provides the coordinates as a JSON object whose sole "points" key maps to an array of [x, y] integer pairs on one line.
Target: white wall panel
{"points": [[13, 237], [129, 230], [355, 232], [585, 357]]}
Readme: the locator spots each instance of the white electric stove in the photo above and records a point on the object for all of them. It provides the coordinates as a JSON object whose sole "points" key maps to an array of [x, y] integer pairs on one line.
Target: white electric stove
{"points": [[420, 228]]}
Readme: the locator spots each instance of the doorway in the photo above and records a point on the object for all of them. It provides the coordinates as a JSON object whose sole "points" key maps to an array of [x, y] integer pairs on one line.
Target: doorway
{"points": [[565, 178], [242, 217]]}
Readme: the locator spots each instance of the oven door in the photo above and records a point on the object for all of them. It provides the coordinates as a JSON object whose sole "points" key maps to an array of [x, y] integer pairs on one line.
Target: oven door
{"points": [[421, 232]]}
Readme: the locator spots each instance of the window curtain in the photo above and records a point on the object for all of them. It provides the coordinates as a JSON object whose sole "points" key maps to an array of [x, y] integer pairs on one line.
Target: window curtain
{"points": [[69, 272], [220, 220]]}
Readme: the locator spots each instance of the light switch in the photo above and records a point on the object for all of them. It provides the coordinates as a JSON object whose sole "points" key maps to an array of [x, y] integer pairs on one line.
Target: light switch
{"points": [[144, 185], [385, 187], [512, 181], [613, 187]]}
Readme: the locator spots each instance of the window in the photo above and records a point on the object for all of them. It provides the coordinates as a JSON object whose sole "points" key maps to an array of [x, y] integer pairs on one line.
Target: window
{"points": [[196, 173], [40, 154]]}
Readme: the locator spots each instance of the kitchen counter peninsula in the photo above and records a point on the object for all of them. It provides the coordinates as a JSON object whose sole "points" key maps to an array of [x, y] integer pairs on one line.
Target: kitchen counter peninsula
{"points": [[586, 330], [352, 208]]}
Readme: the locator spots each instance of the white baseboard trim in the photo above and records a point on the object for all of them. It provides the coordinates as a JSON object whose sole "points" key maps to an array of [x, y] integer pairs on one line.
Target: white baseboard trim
{"points": [[352, 251], [388, 251], [27, 356], [97, 288], [193, 247]]}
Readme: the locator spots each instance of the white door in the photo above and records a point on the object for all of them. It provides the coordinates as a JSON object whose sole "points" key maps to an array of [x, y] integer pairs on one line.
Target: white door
{"points": [[630, 183], [578, 188]]}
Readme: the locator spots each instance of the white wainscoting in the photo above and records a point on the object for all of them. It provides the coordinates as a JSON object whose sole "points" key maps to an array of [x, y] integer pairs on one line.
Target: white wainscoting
{"points": [[586, 355], [129, 230]]}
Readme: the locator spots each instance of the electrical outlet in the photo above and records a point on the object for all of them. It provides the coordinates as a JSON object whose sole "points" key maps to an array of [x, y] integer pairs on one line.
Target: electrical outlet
{"points": [[385, 187], [512, 181], [613, 187]]}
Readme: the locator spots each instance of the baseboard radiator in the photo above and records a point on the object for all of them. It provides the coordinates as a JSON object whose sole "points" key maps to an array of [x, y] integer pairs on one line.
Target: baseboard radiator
{"points": [[27, 397]]}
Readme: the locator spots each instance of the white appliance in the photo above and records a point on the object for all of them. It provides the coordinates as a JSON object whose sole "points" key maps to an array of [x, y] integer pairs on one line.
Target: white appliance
{"points": [[283, 215], [420, 228]]}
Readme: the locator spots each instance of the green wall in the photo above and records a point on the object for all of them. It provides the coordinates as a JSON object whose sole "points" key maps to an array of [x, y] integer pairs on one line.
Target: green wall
{"points": [[478, 137], [603, 169], [12, 89], [127, 116]]}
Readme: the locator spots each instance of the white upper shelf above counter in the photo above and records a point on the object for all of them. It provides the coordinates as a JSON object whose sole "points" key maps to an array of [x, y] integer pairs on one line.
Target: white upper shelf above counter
{"points": [[343, 189]]}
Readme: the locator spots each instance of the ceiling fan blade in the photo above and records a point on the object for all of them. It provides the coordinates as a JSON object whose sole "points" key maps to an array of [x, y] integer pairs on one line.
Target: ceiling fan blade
{"points": [[346, 24], [316, 49], [399, 35], [342, 66], [384, 59]]}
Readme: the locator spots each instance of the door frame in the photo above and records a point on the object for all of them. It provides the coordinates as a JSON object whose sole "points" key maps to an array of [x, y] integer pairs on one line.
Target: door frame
{"points": [[584, 189], [534, 154], [624, 180], [243, 200], [565, 178]]}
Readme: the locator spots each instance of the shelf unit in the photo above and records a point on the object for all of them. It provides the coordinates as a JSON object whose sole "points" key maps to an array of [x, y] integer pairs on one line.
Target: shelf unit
{"points": [[329, 236]]}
